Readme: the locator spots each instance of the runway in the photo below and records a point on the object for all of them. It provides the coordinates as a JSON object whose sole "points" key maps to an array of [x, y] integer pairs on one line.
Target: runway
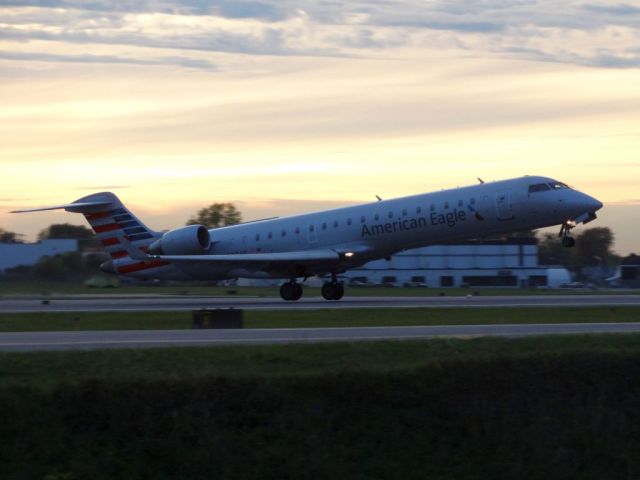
{"points": [[164, 303], [92, 340]]}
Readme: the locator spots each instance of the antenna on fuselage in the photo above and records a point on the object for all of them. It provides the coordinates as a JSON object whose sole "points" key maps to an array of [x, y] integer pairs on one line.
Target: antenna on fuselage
{"points": [[378, 197], [480, 180]]}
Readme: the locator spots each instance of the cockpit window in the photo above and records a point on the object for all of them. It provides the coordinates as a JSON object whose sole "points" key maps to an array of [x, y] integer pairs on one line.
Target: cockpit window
{"points": [[539, 187], [558, 186]]}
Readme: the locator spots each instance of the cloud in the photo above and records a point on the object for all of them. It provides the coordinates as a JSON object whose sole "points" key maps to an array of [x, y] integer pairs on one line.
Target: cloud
{"points": [[162, 61], [598, 34], [618, 9]]}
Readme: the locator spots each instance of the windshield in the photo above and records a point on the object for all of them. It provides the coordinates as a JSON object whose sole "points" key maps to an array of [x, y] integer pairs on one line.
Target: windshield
{"points": [[546, 187]]}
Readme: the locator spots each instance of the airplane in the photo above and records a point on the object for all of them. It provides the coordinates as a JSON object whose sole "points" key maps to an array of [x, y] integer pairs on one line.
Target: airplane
{"points": [[331, 241]]}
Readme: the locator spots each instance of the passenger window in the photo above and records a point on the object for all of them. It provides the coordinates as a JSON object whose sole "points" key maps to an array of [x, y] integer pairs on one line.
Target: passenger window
{"points": [[312, 228], [297, 230], [284, 233], [348, 221], [363, 219], [270, 236], [376, 217], [473, 201], [419, 210], [335, 224], [390, 214], [257, 237], [324, 226], [433, 208], [404, 212], [446, 205], [459, 203]]}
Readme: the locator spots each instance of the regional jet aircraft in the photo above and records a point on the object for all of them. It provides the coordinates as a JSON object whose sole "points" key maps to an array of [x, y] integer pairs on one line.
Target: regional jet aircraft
{"points": [[332, 241]]}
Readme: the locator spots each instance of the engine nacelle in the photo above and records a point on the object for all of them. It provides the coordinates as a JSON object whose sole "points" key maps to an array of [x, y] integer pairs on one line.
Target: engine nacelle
{"points": [[190, 240]]}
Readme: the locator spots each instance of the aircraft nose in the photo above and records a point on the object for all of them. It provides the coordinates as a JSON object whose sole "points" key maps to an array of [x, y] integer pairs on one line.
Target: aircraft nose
{"points": [[593, 204], [586, 203]]}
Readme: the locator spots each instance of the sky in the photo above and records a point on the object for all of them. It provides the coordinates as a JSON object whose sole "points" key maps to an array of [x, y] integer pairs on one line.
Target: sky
{"points": [[284, 107]]}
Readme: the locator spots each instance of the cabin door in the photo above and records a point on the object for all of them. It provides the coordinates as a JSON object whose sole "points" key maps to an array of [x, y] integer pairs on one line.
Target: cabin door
{"points": [[503, 206]]}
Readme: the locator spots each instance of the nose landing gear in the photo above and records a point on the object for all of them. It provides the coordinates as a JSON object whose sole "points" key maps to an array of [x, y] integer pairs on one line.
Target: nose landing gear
{"points": [[565, 232]]}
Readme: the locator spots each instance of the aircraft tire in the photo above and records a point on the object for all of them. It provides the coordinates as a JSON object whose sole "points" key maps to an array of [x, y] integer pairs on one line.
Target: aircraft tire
{"points": [[291, 291], [332, 291], [297, 291]]}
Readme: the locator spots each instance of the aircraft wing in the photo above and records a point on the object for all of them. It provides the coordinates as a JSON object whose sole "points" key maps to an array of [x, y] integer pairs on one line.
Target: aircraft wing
{"points": [[317, 260], [303, 256]]}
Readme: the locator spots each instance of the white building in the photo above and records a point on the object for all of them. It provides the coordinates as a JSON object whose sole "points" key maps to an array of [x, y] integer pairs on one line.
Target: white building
{"points": [[17, 254], [509, 263]]}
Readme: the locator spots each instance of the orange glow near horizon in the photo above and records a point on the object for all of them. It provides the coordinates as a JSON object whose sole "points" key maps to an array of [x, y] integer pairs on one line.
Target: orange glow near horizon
{"points": [[282, 133]]}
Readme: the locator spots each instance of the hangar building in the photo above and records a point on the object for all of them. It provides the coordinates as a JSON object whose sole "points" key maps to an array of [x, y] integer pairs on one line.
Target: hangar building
{"points": [[503, 263], [16, 254]]}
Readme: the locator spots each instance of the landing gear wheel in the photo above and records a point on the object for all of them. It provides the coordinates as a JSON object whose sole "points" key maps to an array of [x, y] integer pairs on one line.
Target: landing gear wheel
{"points": [[291, 291], [297, 291], [568, 242], [332, 291]]}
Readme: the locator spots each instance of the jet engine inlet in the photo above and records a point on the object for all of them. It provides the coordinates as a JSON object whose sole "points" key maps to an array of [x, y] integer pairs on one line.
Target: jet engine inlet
{"points": [[190, 240]]}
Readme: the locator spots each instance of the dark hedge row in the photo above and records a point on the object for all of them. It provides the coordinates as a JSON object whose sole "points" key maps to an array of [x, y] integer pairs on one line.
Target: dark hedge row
{"points": [[553, 416]]}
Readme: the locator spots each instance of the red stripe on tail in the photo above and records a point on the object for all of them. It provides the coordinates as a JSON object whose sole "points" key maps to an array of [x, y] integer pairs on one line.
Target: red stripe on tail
{"points": [[110, 241], [95, 216], [106, 228]]}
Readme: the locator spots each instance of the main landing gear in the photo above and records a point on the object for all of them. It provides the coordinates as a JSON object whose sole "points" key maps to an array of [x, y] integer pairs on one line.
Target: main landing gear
{"points": [[565, 232], [333, 290], [291, 291]]}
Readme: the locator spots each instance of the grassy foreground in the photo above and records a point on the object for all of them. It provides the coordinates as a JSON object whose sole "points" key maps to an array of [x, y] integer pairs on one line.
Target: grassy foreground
{"points": [[555, 407], [318, 318]]}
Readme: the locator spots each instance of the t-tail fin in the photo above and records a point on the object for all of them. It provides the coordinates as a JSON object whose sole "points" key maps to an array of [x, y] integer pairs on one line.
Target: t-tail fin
{"points": [[111, 221]]}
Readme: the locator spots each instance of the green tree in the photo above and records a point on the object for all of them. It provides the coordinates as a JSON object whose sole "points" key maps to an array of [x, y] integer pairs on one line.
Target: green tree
{"points": [[217, 215], [551, 252], [65, 230], [631, 259], [593, 247], [65, 266], [84, 235], [10, 237]]}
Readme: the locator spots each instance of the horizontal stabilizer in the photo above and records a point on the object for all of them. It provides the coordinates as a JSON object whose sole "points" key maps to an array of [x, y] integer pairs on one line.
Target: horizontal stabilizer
{"points": [[72, 207]]}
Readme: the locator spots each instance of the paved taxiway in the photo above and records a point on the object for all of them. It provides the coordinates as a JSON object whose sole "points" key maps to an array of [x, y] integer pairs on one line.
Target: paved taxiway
{"points": [[156, 303], [90, 340]]}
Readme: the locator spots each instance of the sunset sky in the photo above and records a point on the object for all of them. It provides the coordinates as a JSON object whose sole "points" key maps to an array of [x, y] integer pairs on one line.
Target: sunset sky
{"points": [[283, 107]]}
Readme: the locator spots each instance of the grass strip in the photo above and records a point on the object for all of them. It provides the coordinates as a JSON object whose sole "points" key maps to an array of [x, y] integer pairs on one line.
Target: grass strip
{"points": [[46, 370], [30, 322]]}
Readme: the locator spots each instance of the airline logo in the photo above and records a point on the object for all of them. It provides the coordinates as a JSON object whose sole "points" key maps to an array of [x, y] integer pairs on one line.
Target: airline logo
{"points": [[118, 222], [449, 219]]}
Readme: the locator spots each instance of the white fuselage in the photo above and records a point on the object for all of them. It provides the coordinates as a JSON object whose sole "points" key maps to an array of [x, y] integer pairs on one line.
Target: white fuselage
{"points": [[379, 229]]}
